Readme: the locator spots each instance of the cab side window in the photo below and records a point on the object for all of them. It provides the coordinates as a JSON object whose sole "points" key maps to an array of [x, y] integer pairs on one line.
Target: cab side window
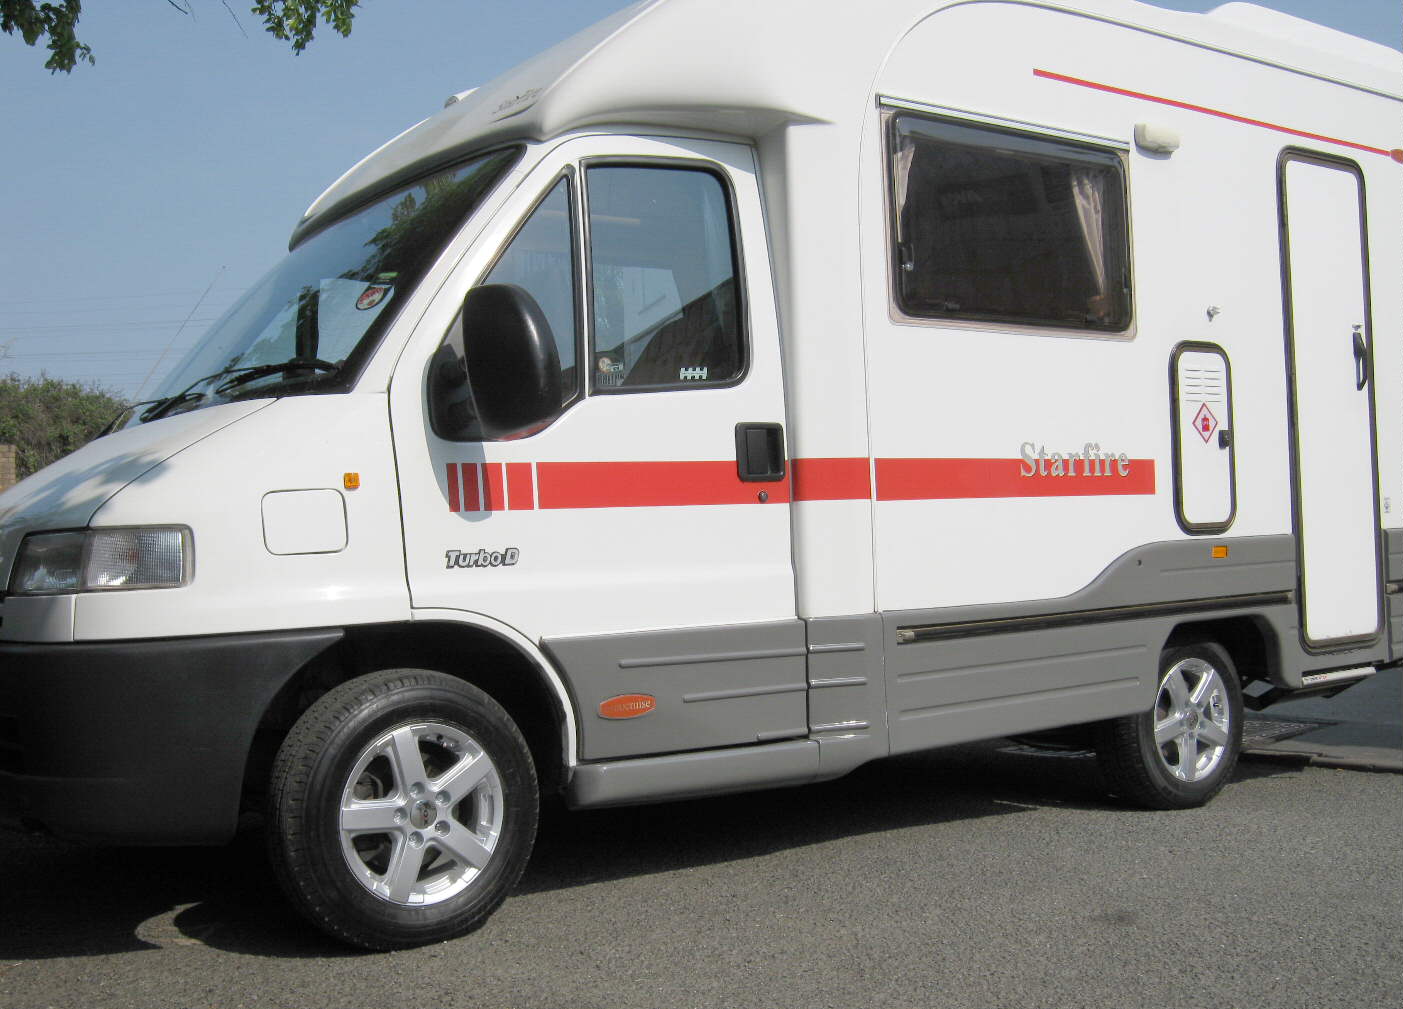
{"points": [[664, 280], [541, 260]]}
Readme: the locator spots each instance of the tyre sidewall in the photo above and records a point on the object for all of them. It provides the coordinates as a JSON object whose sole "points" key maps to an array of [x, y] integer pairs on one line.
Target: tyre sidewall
{"points": [[463, 707], [1193, 793]]}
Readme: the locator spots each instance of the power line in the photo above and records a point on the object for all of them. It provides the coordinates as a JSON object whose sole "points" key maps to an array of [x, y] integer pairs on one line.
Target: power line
{"points": [[85, 355], [109, 327], [115, 297], [173, 306], [141, 388]]}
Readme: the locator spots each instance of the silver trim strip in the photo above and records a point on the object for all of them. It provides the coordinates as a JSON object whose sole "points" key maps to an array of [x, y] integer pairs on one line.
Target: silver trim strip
{"points": [[1358, 673], [724, 695], [838, 681], [1040, 662], [774, 735], [856, 725], [692, 660], [843, 646], [928, 710]]}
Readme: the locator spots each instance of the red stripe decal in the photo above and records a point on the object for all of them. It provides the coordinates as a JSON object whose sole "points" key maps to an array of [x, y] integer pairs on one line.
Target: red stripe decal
{"points": [[521, 491], [681, 484], [941, 479], [494, 489], [648, 485], [453, 487], [832, 480], [472, 500], [1208, 112]]}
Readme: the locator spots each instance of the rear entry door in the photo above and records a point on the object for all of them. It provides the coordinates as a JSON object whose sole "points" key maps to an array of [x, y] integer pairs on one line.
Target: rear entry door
{"points": [[1334, 457]]}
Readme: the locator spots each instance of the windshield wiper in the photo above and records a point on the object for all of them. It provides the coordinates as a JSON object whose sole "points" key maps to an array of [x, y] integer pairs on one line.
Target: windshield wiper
{"points": [[164, 406], [242, 376], [245, 373], [124, 414]]}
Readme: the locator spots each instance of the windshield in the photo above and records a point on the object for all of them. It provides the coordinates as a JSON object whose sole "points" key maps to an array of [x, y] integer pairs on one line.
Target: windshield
{"points": [[311, 322]]}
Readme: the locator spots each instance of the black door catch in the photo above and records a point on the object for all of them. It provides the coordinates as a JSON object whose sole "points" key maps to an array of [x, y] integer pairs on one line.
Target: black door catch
{"points": [[760, 452]]}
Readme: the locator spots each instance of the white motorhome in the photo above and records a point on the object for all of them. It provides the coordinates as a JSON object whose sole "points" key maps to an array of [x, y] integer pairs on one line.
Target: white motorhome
{"points": [[728, 397]]}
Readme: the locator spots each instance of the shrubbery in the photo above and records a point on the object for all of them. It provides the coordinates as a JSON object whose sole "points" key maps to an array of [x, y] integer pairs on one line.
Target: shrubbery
{"points": [[47, 418]]}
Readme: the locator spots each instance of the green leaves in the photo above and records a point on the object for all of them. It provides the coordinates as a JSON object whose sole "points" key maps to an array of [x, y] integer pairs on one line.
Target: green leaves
{"points": [[295, 21], [292, 21], [46, 418], [57, 21]]}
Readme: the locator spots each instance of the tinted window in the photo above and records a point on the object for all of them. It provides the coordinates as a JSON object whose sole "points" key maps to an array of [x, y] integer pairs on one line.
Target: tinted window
{"points": [[541, 260], [1004, 227], [664, 298]]}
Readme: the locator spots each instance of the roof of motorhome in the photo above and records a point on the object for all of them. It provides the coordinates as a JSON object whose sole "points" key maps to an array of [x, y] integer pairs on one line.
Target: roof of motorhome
{"points": [[744, 67]]}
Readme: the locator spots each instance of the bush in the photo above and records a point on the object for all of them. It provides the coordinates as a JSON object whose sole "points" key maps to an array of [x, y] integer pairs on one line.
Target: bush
{"points": [[47, 418]]}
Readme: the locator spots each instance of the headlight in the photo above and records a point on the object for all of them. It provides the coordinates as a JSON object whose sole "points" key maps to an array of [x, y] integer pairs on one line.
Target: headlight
{"points": [[101, 560], [50, 562]]}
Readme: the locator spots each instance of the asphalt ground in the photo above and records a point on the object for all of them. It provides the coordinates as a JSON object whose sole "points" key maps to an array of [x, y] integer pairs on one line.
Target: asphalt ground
{"points": [[1361, 727], [972, 876]]}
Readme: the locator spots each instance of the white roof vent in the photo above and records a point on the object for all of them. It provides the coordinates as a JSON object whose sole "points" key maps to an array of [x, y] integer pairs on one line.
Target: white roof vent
{"points": [[455, 99]]}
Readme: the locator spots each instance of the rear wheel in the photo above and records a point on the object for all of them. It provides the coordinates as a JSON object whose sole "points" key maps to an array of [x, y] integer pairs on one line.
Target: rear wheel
{"points": [[1181, 752], [403, 809]]}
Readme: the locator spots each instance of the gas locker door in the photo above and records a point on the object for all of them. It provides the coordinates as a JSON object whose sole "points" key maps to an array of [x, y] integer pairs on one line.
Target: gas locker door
{"points": [[1328, 345], [642, 539], [1205, 491]]}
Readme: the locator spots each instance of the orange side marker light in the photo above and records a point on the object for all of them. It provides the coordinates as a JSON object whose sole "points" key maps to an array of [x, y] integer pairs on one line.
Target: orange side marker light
{"points": [[1219, 553], [350, 481]]}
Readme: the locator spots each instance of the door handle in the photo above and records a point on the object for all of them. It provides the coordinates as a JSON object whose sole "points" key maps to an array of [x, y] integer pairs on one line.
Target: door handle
{"points": [[760, 452], [1361, 360]]}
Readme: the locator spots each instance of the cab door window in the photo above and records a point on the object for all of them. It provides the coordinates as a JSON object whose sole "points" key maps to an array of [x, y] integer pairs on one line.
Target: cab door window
{"points": [[665, 300], [541, 260]]}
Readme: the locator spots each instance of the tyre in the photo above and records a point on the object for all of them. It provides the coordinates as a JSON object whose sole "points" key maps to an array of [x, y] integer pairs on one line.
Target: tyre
{"points": [[402, 809], [1180, 753]]}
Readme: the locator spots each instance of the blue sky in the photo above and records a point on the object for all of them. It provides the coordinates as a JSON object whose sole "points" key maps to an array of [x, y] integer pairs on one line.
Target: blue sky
{"points": [[180, 162]]}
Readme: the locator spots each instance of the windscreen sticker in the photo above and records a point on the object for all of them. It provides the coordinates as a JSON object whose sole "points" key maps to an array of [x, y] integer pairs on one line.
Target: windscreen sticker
{"points": [[372, 296], [611, 372]]}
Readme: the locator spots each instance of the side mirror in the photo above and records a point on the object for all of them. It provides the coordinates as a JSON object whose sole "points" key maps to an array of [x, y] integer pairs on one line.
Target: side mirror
{"points": [[511, 362]]}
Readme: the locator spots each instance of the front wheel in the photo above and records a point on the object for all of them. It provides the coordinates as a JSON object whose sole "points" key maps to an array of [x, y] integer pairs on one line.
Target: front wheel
{"points": [[402, 810], [1181, 752]]}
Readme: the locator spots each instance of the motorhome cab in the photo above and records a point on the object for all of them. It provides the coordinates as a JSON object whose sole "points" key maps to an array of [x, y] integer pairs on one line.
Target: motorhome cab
{"points": [[726, 398]]}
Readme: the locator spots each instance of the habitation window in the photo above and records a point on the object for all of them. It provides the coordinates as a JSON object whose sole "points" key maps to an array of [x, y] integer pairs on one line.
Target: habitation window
{"points": [[664, 279], [1004, 227]]}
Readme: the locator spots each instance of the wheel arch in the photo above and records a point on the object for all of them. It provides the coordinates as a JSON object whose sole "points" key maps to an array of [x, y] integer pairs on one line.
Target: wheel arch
{"points": [[491, 656], [1250, 641]]}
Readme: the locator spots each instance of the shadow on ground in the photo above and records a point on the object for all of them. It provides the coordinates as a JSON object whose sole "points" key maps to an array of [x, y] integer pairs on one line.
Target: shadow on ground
{"points": [[64, 901]]}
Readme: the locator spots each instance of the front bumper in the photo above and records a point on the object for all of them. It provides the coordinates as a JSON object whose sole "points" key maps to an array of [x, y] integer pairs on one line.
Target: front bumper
{"points": [[138, 742]]}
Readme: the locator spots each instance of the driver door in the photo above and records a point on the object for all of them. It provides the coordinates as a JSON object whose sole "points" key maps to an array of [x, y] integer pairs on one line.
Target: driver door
{"points": [[643, 537]]}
